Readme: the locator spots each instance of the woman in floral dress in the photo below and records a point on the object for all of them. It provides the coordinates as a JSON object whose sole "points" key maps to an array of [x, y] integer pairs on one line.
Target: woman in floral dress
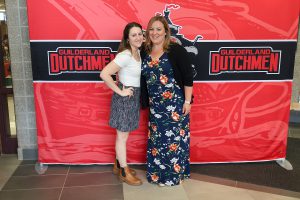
{"points": [[168, 76]]}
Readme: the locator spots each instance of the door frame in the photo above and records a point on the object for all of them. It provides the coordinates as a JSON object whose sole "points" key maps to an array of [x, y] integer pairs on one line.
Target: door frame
{"points": [[8, 143]]}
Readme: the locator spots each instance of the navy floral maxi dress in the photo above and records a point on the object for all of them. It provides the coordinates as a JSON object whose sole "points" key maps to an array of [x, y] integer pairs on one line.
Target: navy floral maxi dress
{"points": [[169, 132]]}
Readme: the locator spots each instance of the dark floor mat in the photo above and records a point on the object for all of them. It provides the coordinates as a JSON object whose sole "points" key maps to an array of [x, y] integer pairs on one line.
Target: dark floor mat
{"points": [[261, 173]]}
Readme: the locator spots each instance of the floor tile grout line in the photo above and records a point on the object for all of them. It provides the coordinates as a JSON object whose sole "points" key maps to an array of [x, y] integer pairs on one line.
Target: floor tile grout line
{"points": [[183, 188], [64, 183], [47, 188], [9, 177], [26, 164], [39, 175], [267, 189], [92, 172], [62, 174], [82, 186]]}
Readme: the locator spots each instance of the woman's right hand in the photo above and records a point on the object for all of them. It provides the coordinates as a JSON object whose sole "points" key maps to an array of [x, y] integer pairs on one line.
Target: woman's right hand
{"points": [[127, 91]]}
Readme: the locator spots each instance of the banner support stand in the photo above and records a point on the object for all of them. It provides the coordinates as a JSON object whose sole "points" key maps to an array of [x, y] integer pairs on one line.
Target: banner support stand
{"points": [[284, 163], [40, 168]]}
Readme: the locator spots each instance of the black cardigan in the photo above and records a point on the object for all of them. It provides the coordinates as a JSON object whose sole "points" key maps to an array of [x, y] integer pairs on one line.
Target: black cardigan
{"points": [[182, 68]]}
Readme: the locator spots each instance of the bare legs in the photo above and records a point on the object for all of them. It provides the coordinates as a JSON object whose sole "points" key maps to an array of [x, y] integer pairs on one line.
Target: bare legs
{"points": [[121, 140], [125, 173]]}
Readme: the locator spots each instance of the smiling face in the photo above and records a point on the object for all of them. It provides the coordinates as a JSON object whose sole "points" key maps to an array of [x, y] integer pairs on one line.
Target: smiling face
{"points": [[135, 37], [157, 33]]}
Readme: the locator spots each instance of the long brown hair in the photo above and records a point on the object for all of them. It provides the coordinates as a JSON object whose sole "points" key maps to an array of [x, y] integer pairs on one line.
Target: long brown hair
{"points": [[124, 44], [148, 43]]}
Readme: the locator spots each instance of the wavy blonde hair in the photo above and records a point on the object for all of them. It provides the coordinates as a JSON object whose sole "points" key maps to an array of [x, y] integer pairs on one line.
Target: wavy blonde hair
{"points": [[148, 42]]}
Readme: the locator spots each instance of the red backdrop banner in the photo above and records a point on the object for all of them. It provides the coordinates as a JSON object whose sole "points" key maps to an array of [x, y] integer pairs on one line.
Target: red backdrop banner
{"points": [[243, 57]]}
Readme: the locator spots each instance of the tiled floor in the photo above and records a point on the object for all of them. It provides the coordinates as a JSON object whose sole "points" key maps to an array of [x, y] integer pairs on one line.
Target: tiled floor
{"points": [[8, 165], [94, 182], [20, 181]]}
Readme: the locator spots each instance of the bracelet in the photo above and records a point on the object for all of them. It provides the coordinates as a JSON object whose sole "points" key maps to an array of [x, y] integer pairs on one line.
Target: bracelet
{"points": [[187, 102]]}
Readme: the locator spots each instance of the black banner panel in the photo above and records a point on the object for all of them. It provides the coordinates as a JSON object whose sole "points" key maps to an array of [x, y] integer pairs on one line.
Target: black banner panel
{"points": [[212, 61]]}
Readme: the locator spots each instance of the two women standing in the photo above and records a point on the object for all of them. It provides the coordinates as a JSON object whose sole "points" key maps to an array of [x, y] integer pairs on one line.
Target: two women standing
{"points": [[167, 80]]}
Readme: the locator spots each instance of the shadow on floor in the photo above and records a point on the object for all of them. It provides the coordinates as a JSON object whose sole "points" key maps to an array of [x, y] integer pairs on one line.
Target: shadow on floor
{"points": [[263, 173]]}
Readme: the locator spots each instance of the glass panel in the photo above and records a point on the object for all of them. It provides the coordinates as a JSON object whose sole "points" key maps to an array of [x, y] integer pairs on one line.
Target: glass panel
{"points": [[5, 47], [7, 77], [11, 113]]}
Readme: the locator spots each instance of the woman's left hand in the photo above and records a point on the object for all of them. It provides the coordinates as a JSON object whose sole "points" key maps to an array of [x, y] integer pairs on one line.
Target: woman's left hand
{"points": [[186, 109]]}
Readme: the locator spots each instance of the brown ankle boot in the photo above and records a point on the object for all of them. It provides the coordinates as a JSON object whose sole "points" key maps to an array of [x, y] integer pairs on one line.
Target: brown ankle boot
{"points": [[116, 168], [129, 178]]}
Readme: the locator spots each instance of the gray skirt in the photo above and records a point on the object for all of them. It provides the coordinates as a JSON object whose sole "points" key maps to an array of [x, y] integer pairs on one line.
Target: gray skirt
{"points": [[125, 111]]}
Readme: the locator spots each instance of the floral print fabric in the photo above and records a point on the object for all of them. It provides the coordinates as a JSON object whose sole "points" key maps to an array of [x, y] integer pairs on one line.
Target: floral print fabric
{"points": [[169, 131]]}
